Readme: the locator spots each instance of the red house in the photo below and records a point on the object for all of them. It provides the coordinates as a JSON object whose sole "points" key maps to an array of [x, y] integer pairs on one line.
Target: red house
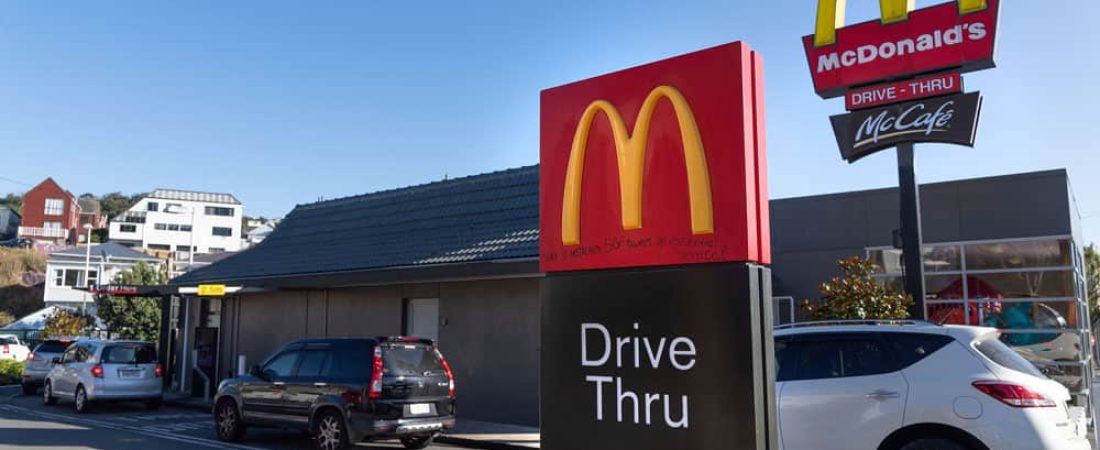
{"points": [[50, 213]]}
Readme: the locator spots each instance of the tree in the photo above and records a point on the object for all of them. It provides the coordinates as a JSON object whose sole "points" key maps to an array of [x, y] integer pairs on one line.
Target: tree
{"points": [[857, 295], [67, 323], [115, 203], [1092, 280], [6, 318], [13, 201], [133, 317]]}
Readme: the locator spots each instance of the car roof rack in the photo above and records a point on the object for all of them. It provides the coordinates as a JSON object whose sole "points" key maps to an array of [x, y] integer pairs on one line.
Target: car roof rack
{"points": [[825, 323]]}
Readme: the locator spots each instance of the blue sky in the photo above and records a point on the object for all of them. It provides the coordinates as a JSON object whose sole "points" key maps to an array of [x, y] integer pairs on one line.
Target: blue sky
{"points": [[280, 103]]}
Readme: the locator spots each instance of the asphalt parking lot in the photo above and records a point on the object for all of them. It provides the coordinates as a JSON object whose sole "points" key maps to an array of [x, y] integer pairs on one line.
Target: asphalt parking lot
{"points": [[25, 422]]}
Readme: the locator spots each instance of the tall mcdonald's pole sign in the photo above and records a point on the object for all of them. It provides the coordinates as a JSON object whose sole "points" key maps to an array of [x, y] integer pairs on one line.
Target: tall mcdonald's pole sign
{"points": [[901, 81], [656, 326]]}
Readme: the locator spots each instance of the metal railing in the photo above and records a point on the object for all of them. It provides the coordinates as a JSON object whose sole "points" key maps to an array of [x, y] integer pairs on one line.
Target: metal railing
{"points": [[39, 232]]}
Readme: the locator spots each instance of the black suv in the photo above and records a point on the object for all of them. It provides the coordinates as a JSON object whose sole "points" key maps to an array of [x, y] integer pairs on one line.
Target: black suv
{"points": [[343, 391]]}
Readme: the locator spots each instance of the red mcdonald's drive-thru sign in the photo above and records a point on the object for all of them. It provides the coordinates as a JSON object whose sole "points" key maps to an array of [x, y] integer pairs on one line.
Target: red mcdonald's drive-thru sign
{"points": [[901, 91], [952, 36], [660, 164]]}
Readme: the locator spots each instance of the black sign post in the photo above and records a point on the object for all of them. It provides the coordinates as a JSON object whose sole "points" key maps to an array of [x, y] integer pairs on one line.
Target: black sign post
{"points": [[912, 240]]}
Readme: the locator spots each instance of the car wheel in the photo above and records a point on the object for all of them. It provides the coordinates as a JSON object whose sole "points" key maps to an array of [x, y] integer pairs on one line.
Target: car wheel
{"points": [[47, 394], [80, 400], [29, 389], [330, 433], [227, 420], [153, 404], [417, 442], [933, 444]]}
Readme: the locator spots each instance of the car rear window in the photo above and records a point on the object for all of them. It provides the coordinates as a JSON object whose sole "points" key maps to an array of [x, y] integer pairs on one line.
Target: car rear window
{"points": [[8, 340], [52, 347], [909, 348], [129, 354], [990, 346], [409, 359]]}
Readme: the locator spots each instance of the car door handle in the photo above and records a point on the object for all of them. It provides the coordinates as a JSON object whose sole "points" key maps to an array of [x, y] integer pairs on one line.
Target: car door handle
{"points": [[279, 384], [883, 395], [320, 384]]}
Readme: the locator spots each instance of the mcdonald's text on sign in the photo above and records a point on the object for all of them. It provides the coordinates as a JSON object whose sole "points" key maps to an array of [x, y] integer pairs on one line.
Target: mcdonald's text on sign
{"points": [[629, 163], [951, 36], [901, 91]]}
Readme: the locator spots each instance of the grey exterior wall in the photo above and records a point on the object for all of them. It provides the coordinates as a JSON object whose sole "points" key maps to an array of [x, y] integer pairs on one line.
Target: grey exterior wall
{"points": [[810, 233], [489, 332], [9, 223]]}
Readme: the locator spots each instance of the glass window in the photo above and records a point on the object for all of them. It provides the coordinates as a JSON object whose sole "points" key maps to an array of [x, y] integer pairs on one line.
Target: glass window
{"points": [[152, 206], [909, 348], [185, 227], [173, 227], [1003, 356], [222, 231], [55, 207], [127, 228], [313, 362], [886, 260], [217, 250], [784, 369], [93, 278], [52, 347], [281, 365], [59, 277], [843, 357], [1023, 284], [941, 258], [160, 226], [72, 277], [1016, 255], [219, 211], [409, 359], [349, 363], [129, 354]]}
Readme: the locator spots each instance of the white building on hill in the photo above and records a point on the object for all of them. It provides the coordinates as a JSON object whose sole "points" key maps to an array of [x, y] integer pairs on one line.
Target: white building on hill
{"points": [[178, 221]]}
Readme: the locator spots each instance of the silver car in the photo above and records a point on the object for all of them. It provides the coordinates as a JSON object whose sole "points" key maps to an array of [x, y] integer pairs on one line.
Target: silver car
{"points": [[97, 370], [39, 362]]}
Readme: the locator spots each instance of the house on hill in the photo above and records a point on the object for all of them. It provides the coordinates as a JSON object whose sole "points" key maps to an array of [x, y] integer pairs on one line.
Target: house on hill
{"points": [[50, 214]]}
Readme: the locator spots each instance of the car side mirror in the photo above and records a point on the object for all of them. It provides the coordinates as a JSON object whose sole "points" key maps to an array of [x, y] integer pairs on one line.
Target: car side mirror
{"points": [[256, 371], [55, 361]]}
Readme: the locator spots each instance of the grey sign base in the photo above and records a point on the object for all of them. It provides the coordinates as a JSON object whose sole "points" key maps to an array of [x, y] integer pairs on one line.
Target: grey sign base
{"points": [[706, 328]]}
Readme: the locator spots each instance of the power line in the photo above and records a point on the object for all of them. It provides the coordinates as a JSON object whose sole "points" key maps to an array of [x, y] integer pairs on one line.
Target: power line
{"points": [[16, 182]]}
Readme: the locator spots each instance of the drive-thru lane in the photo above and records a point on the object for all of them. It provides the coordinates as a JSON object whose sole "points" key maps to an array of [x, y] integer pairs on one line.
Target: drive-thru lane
{"points": [[25, 422]]}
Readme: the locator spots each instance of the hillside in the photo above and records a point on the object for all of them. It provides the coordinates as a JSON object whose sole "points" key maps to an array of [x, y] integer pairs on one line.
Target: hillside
{"points": [[19, 269]]}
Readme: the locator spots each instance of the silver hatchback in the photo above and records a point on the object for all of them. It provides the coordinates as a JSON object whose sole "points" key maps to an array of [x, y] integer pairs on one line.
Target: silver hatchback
{"points": [[97, 370]]}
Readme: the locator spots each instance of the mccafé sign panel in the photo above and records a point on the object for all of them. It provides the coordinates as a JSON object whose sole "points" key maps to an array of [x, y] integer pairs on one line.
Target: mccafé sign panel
{"points": [[660, 164], [951, 119], [958, 35]]}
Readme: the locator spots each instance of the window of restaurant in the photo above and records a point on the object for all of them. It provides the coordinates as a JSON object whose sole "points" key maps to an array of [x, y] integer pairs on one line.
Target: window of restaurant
{"points": [[1030, 289]]}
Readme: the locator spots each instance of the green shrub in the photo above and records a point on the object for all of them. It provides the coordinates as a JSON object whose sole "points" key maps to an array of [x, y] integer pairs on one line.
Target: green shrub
{"points": [[11, 372]]}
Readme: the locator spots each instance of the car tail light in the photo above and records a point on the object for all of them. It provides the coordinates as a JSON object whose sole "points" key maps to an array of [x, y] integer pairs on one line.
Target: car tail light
{"points": [[5, 349], [159, 371], [352, 397], [1014, 395], [450, 374], [30, 357], [97, 371], [376, 375]]}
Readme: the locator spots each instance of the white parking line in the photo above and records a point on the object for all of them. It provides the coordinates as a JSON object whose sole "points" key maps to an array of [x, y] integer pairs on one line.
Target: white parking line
{"points": [[145, 430]]}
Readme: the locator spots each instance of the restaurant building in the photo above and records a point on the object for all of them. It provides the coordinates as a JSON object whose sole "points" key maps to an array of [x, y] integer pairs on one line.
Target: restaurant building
{"points": [[457, 261]]}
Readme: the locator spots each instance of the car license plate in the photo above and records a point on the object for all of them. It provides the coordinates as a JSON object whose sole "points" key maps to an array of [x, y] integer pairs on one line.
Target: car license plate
{"points": [[420, 408], [129, 373]]}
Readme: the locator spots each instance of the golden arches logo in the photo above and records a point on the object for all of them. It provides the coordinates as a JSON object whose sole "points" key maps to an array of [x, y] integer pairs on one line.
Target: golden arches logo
{"points": [[630, 154], [830, 15]]}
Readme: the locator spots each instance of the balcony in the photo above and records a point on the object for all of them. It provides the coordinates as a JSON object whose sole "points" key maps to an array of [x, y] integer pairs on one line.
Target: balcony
{"points": [[43, 233], [130, 217]]}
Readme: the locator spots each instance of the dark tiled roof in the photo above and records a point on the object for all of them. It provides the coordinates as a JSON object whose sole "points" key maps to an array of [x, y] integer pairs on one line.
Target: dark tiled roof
{"points": [[488, 217], [110, 249]]}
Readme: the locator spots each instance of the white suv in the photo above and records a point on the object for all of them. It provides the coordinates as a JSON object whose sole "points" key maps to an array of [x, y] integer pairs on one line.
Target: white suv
{"points": [[910, 385]]}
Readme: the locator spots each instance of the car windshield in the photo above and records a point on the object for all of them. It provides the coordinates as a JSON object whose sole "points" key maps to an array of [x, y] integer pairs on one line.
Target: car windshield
{"points": [[52, 347], [129, 354], [410, 359], [991, 346]]}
